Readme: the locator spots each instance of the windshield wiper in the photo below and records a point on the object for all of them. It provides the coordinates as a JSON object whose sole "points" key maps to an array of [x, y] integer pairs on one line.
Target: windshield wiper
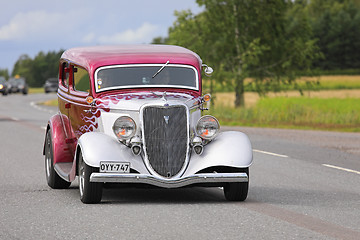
{"points": [[160, 69]]}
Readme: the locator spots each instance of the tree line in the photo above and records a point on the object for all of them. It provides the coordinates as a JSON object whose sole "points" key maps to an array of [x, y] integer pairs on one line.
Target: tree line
{"points": [[270, 41], [36, 70]]}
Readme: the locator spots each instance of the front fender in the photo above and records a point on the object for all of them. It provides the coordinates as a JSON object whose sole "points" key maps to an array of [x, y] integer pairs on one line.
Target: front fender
{"points": [[62, 151], [232, 149], [96, 147]]}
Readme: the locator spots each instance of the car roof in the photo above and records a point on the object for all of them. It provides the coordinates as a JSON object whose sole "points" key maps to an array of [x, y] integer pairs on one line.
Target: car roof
{"points": [[93, 57]]}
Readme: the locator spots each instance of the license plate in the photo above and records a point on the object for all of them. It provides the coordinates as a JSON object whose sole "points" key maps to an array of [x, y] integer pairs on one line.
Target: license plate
{"points": [[114, 167]]}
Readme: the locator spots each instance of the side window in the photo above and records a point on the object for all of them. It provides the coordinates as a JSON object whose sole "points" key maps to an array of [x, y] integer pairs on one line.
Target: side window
{"points": [[81, 80], [65, 74]]}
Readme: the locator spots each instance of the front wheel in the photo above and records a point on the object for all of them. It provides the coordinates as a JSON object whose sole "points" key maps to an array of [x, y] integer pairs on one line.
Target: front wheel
{"points": [[90, 192], [237, 191]]}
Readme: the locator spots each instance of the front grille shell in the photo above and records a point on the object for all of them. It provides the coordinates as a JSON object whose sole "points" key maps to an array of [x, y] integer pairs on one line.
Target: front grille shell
{"points": [[166, 141]]}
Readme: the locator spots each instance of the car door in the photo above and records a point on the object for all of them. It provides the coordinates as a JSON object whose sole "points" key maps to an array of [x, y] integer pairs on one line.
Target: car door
{"points": [[64, 100], [80, 115]]}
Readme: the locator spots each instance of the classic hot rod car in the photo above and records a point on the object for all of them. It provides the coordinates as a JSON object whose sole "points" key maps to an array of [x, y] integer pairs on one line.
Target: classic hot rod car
{"points": [[132, 115]]}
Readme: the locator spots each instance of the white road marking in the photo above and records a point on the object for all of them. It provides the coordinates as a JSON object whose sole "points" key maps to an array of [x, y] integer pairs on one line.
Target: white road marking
{"points": [[270, 153], [340, 168]]}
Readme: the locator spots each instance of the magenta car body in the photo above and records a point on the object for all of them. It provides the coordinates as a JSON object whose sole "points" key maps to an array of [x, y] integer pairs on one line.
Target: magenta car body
{"points": [[132, 115]]}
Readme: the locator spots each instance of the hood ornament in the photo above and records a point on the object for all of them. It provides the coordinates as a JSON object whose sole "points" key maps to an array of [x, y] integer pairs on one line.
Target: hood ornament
{"points": [[166, 118]]}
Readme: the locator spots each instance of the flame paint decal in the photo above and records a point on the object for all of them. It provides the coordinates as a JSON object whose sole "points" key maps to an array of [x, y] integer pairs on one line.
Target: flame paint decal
{"points": [[104, 104]]}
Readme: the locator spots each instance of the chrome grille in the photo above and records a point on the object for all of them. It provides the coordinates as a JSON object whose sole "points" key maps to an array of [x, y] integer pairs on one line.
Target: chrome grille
{"points": [[166, 138]]}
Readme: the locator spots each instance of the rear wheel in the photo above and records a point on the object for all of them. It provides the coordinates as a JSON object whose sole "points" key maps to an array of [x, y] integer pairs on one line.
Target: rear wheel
{"points": [[237, 191], [90, 192], [52, 178]]}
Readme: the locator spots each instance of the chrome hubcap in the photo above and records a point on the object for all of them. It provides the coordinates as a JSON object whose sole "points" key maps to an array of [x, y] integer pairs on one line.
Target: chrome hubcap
{"points": [[81, 178], [48, 160]]}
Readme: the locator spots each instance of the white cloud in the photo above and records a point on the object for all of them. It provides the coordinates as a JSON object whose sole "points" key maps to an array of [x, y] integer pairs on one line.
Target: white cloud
{"points": [[144, 33], [32, 25], [89, 38]]}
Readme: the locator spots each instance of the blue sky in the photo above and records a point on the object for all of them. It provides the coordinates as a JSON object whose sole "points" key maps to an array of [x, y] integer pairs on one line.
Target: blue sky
{"points": [[28, 27]]}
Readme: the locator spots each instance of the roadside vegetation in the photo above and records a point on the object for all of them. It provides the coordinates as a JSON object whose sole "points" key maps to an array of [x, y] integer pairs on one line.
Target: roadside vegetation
{"points": [[53, 102], [36, 90], [337, 114], [314, 83], [331, 103]]}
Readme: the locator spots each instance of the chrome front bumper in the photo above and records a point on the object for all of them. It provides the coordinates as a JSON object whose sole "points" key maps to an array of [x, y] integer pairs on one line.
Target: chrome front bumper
{"points": [[169, 183]]}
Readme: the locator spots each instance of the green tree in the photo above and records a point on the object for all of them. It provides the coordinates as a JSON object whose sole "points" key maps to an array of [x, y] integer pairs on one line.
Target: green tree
{"points": [[37, 70], [241, 38], [23, 67], [191, 31], [336, 24], [4, 73], [159, 40]]}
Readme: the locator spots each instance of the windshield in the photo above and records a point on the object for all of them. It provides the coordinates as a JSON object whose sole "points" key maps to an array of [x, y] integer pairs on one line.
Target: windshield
{"points": [[136, 76], [20, 81]]}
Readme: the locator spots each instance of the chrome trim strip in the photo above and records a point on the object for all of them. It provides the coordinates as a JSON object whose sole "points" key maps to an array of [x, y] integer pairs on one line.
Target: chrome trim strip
{"points": [[196, 88], [169, 183]]}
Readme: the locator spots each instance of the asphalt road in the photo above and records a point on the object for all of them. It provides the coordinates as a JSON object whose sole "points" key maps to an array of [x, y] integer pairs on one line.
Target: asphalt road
{"points": [[303, 185]]}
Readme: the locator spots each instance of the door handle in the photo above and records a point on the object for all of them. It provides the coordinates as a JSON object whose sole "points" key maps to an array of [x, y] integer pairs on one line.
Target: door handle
{"points": [[67, 105]]}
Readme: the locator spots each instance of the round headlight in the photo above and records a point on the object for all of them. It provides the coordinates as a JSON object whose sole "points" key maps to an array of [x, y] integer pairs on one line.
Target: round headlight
{"points": [[207, 127], [124, 128]]}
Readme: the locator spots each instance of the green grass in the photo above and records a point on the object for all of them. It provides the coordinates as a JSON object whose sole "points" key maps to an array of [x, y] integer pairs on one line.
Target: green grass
{"points": [[295, 112], [53, 102], [317, 83], [329, 82], [36, 90]]}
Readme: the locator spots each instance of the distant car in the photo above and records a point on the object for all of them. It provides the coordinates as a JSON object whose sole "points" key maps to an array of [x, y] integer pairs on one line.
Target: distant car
{"points": [[18, 84], [132, 115], [51, 85], [12, 86], [3, 86]]}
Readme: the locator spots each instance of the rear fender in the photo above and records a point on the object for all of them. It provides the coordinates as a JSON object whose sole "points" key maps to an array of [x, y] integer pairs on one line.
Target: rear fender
{"points": [[63, 144], [97, 146], [231, 149]]}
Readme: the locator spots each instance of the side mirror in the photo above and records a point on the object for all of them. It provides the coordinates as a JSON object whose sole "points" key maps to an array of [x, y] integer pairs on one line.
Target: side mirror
{"points": [[208, 70]]}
